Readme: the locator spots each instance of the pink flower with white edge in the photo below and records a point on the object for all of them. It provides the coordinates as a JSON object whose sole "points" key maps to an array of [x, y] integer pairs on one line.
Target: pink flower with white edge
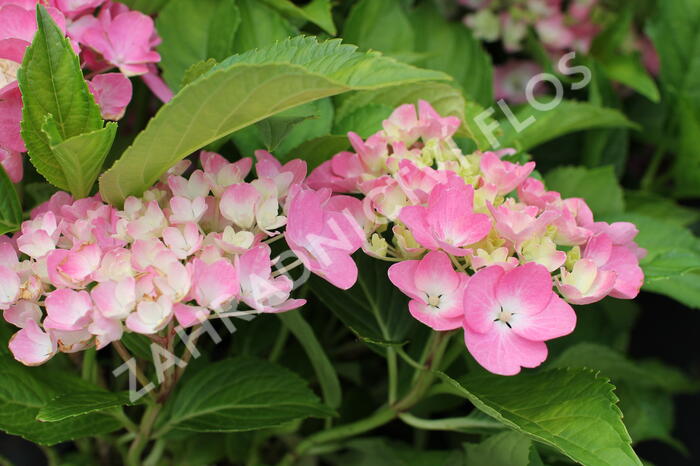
{"points": [[112, 93], [418, 182], [183, 210], [221, 173], [621, 234], [150, 316], [509, 315], [448, 222], [259, 289], [184, 240], [67, 309], [506, 176], [150, 224], [105, 330], [619, 259], [292, 172], [403, 125], [323, 239], [372, 153], [39, 235], [385, 196], [124, 40], [32, 346], [433, 125], [11, 162], [174, 281], [9, 287], [586, 283], [435, 288], [518, 222], [72, 341], [215, 284], [238, 205], [187, 316], [22, 312], [532, 192], [197, 185], [73, 268], [115, 265], [115, 300]]}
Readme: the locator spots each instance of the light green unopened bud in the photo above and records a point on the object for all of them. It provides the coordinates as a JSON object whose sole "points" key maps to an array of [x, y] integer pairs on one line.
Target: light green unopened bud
{"points": [[572, 257]]}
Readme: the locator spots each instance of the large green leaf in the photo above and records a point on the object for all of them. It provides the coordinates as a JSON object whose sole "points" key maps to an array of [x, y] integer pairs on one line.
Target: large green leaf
{"points": [[327, 377], [243, 394], [25, 391], [81, 157], [315, 11], [503, 449], [52, 83], [380, 25], [373, 308], [242, 90], [193, 31], [573, 411], [450, 47], [653, 205], [261, 26], [567, 117], [597, 186], [10, 207], [629, 70], [77, 403]]}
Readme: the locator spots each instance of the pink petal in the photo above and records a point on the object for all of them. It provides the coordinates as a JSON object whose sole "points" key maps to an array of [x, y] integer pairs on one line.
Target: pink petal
{"points": [[32, 346], [556, 320], [9, 287], [67, 309], [187, 316], [402, 275], [525, 289], [502, 351], [480, 303], [432, 317], [112, 93], [22, 312]]}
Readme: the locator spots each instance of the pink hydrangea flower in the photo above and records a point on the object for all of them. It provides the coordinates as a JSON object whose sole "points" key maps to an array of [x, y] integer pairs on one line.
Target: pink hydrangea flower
{"points": [[215, 284], [448, 221], [586, 283], [32, 346], [112, 93], [323, 239], [506, 176], [435, 288], [124, 39], [509, 315], [629, 277]]}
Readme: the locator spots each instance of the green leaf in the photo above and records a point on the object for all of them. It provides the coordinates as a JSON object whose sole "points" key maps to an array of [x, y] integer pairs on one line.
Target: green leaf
{"points": [[379, 451], [146, 6], [242, 90], [629, 70], [80, 157], [261, 26], [52, 83], [318, 150], [193, 31], [380, 25], [503, 449], [620, 369], [373, 308], [198, 69], [450, 47], [243, 394], [287, 129], [316, 11], [597, 186], [567, 117], [25, 391], [327, 377], [74, 404], [446, 99], [573, 411], [364, 121], [10, 207]]}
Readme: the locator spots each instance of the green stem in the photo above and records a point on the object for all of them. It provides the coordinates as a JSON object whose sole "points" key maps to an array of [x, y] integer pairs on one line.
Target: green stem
{"points": [[144, 435], [392, 369], [276, 350], [387, 413]]}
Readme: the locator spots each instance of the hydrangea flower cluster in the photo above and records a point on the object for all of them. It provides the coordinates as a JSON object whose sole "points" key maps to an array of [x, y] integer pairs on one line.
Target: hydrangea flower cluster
{"points": [[560, 25], [105, 34], [80, 273], [478, 242]]}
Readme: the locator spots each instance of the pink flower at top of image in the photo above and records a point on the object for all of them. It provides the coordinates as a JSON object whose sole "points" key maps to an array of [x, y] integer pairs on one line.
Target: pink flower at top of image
{"points": [[107, 35], [510, 81]]}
